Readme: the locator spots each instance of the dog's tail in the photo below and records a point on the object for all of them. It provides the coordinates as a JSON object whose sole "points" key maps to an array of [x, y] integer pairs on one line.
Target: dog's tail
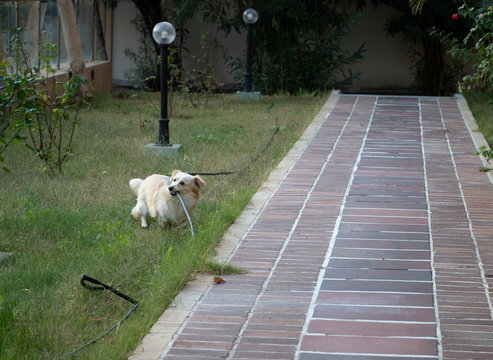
{"points": [[135, 185]]}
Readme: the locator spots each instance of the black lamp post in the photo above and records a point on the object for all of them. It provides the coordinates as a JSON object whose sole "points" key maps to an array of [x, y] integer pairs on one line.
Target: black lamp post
{"points": [[164, 34], [250, 17]]}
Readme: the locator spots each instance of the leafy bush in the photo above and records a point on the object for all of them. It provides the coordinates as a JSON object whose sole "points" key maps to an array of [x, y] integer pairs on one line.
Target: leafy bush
{"points": [[198, 84], [433, 74], [477, 47], [31, 101], [298, 46]]}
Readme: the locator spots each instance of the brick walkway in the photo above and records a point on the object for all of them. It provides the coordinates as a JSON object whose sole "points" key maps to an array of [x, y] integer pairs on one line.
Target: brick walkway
{"points": [[376, 244]]}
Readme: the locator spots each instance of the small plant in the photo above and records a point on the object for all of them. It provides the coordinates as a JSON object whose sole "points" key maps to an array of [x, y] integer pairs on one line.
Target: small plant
{"points": [[487, 154], [200, 84], [28, 102]]}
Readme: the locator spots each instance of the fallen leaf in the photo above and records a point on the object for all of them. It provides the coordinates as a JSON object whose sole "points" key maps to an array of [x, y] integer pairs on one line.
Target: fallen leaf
{"points": [[218, 280], [383, 258]]}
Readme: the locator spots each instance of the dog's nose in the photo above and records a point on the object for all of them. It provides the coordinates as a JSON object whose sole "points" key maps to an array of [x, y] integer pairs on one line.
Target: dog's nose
{"points": [[170, 188]]}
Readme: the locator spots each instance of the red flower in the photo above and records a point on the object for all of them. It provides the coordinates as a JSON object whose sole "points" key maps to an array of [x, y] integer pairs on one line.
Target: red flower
{"points": [[455, 17]]}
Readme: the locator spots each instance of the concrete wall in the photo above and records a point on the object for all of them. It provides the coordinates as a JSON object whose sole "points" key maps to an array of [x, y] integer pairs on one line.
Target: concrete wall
{"points": [[232, 46], [124, 36], [99, 74], [385, 66]]}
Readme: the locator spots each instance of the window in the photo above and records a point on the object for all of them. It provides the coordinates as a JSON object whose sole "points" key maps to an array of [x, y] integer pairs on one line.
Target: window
{"points": [[85, 21], [39, 20]]}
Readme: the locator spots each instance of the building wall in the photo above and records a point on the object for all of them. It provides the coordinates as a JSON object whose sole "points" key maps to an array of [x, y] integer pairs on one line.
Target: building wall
{"points": [[385, 67], [231, 46], [99, 74], [124, 36]]}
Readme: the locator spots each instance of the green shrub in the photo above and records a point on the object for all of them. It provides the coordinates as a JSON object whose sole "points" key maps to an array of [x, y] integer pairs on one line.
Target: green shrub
{"points": [[32, 111], [298, 46], [477, 47]]}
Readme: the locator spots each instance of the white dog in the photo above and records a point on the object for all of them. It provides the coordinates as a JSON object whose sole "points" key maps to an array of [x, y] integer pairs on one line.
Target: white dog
{"points": [[156, 197]]}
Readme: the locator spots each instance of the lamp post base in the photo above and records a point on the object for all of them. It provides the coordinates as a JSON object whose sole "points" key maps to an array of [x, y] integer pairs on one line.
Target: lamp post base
{"points": [[253, 96], [171, 150]]}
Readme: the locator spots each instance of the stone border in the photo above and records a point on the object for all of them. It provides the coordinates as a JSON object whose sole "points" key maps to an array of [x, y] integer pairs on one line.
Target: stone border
{"points": [[163, 333]]}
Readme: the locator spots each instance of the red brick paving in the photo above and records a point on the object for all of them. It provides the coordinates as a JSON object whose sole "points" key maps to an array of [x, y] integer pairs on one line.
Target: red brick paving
{"points": [[376, 245]]}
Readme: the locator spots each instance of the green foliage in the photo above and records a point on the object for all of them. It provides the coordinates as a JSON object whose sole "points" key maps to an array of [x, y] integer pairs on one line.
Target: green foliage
{"points": [[298, 45], [481, 104], [485, 153], [29, 103], [416, 5], [17, 101], [477, 47], [146, 75], [433, 74], [199, 83]]}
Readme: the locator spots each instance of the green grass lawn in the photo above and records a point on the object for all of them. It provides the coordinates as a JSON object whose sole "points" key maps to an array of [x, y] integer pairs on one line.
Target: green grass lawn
{"points": [[65, 225], [481, 104]]}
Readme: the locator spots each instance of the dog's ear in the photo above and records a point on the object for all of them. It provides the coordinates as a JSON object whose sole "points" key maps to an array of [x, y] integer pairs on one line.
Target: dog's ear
{"points": [[175, 172], [199, 181]]}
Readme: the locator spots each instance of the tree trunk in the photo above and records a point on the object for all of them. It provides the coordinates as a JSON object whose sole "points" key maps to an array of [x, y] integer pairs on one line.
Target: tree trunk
{"points": [[433, 66], [71, 36], [31, 33]]}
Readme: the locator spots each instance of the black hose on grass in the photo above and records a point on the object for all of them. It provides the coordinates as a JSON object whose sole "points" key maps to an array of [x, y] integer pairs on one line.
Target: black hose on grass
{"points": [[260, 153], [114, 291]]}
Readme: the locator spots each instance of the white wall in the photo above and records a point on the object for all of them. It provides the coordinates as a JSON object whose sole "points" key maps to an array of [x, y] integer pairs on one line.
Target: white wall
{"points": [[124, 36], [386, 63], [232, 45]]}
